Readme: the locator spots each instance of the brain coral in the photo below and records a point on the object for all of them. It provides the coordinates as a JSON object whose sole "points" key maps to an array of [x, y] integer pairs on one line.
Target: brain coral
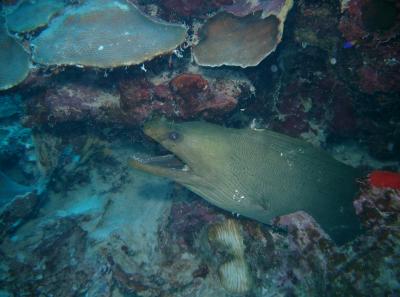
{"points": [[104, 34], [30, 15], [14, 60]]}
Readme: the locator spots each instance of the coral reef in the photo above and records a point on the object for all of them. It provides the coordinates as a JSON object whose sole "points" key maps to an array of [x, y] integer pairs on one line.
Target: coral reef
{"points": [[11, 106], [20, 210], [14, 60], [186, 220], [127, 221], [368, 266], [372, 27], [10, 189], [192, 8], [195, 95], [76, 221], [66, 161], [378, 206], [17, 153], [226, 39], [245, 7], [324, 102], [184, 96], [74, 103], [135, 37], [30, 15], [66, 222], [15, 141], [45, 267], [220, 46]]}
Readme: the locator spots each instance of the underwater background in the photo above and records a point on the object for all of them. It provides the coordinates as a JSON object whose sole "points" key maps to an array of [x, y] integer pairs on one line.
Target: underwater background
{"points": [[79, 79]]}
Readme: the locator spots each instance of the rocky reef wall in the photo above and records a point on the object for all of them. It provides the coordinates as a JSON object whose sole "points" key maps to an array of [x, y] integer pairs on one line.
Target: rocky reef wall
{"points": [[76, 221]]}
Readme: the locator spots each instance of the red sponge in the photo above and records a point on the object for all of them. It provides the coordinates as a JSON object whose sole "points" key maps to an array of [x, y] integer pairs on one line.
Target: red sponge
{"points": [[384, 179]]}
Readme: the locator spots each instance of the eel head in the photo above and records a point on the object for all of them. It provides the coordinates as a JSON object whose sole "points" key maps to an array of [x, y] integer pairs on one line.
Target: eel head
{"points": [[192, 146]]}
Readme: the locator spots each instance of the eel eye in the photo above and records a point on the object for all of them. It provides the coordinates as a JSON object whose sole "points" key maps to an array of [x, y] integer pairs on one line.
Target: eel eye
{"points": [[173, 135]]}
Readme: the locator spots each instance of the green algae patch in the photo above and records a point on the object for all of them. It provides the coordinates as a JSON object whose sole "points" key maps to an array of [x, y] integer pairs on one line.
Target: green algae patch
{"points": [[14, 60], [30, 15], [105, 34]]}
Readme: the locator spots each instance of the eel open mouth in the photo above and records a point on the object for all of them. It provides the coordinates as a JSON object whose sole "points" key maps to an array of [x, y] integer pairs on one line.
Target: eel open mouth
{"points": [[169, 161], [166, 165]]}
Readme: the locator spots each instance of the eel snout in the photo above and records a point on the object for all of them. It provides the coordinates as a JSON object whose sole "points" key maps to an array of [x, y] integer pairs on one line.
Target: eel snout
{"points": [[169, 165], [165, 161]]}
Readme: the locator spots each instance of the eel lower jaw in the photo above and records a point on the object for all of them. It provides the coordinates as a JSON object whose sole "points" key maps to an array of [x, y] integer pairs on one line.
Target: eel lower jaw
{"points": [[167, 166]]}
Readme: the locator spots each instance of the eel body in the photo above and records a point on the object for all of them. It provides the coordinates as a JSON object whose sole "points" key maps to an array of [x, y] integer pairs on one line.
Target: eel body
{"points": [[257, 174]]}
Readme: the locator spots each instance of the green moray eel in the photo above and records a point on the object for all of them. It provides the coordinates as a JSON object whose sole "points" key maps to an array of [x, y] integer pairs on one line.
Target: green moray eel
{"points": [[257, 174]]}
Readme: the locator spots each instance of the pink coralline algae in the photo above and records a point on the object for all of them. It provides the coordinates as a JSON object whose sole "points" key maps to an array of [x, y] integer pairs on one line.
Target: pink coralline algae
{"points": [[302, 104], [307, 240], [372, 27], [378, 206], [75, 103], [185, 96], [370, 22], [187, 219], [369, 265], [196, 96], [362, 267], [303, 230], [373, 79], [190, 8], [245, 7]]}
